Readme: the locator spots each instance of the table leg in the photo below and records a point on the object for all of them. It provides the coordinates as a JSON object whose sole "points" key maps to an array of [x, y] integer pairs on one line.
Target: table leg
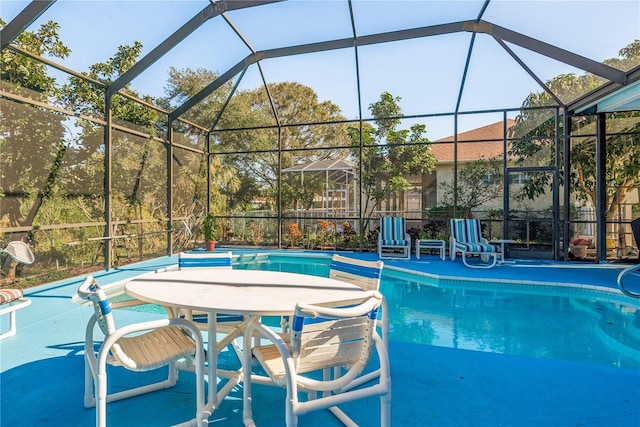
{"points": [[215, 396]]}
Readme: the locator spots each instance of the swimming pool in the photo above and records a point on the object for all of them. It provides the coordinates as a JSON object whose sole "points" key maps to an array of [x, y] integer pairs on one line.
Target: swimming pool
{"points": [[549, 322]]}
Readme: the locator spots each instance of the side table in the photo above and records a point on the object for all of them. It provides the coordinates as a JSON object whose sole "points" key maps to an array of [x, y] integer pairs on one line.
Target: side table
{"points": [[430, 244], [502, 243]]}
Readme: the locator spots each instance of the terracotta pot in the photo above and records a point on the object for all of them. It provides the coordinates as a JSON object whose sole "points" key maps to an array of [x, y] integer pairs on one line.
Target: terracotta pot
{"points": [[210, 245]]}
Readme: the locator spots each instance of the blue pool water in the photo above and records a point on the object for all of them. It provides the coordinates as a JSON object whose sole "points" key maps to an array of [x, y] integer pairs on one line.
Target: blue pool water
{"points": [[527, 320]]}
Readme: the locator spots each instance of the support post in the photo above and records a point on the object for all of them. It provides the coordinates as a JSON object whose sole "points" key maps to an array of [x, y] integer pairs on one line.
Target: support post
{"points": [[601, 188]]}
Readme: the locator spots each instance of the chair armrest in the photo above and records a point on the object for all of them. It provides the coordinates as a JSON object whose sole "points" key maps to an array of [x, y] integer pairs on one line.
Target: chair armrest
{"points": [[14, 305], [257, 329]]}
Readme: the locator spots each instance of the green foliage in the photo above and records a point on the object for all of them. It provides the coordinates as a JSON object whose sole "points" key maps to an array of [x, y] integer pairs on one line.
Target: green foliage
{"points": [[26, 72], [85, 97], [479, 182], [259, 171], [389, 154], [209, 227], [535, 143], [31, 140]]}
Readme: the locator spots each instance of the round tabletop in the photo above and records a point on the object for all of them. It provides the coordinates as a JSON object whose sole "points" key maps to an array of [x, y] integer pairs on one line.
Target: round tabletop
{"points": [[239, 291]]}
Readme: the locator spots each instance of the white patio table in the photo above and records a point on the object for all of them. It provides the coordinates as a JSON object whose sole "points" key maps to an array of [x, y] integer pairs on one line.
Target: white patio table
{"points": [[252, 293]]}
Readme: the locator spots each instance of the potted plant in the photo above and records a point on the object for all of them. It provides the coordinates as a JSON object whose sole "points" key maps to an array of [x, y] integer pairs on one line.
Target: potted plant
{"points": [[209, 231]]}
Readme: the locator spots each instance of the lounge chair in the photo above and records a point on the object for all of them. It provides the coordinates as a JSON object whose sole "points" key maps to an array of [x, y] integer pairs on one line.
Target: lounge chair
{"points": [[137, 347], [326, 336], [466, 238], [11, 300], [393, 235]]}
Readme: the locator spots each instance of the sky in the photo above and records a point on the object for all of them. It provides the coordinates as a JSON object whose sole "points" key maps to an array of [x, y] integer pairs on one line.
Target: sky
{"points": [[425, 73]]}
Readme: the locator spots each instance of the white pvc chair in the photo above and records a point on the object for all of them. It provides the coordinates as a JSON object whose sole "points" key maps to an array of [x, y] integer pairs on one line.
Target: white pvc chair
{"points": [[466, 238], [205, 261], [366, 275], [137, 347], [227, 324], [393, 235], [324, 336]]}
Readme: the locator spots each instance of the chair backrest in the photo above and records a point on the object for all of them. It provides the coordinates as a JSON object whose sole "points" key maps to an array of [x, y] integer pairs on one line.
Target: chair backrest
{"points": [[466, 230], [205, 260], [339, 333], [393, 229], [365, 274]]}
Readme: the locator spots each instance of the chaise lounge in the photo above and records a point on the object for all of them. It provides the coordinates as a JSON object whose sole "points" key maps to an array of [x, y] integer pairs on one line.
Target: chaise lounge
{"points": [[466, 238]]}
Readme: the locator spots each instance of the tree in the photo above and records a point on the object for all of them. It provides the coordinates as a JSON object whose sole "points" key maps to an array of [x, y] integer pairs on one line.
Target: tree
{"points": [[293, 104], [389, 155], [31, 138], [535, 133], [479, 182], [137, 162]]}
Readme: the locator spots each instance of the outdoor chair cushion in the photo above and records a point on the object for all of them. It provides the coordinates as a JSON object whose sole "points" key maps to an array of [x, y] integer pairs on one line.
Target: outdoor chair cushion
{"points": [[9, 295]]}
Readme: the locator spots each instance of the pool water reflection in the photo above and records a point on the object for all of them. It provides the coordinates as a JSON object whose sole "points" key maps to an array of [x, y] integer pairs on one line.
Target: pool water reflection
{"points": [[527, 320]]}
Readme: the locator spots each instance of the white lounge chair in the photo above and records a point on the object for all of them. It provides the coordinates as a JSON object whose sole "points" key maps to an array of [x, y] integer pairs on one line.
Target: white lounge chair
{"points": [[466, 238], [323, 337], [11, 300], [393, 236], [138, 347]]}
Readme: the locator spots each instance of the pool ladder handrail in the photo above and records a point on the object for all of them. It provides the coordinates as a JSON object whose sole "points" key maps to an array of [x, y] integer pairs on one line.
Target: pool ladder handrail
{"points": [[621, 276]]}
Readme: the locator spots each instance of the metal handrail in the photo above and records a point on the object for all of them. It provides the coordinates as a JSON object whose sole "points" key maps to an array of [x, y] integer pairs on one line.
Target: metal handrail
{"points": [[621, 276]]}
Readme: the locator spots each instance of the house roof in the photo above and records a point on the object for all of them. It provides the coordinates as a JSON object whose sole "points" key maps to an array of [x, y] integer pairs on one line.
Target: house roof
{"points": [[483, 142]]}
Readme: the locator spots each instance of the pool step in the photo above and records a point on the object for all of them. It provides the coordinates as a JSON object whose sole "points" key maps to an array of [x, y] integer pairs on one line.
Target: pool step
{"points": [[609, 328]]}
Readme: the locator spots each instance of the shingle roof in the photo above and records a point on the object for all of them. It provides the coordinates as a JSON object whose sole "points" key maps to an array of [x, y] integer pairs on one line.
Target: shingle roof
{"points": [[485, 142]]}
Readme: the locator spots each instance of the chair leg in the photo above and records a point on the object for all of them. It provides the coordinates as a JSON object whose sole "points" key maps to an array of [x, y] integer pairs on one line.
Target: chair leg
{"points": [[479, 265], [101, 396], [12, 326], [385, 410], [89, 385]]}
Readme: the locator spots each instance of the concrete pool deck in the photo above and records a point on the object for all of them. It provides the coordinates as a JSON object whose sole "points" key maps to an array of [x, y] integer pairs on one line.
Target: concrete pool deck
{"points": [[41, 369]]}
